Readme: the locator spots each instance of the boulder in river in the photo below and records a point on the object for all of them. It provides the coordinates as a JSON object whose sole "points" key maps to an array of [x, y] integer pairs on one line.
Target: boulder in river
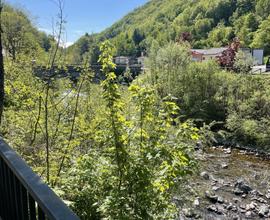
{"points": [[228, 151], [199, 145], [251, 206], [220, 200], [205, 175], [237, 191], [218, 209], [241, 186], [248, 214], [224, 166], [212, 197], [215, 188], [212, 208], [263, 210], [190, 213], [196, 202]]}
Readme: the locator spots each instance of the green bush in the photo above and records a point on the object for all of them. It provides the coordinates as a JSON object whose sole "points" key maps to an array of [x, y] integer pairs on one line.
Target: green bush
{"points": [[249, 111], [199, 88], [137, 157]]}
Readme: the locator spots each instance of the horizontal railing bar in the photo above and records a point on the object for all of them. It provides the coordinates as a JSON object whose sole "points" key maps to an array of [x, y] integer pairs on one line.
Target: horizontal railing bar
{"points": [[53, 207]]}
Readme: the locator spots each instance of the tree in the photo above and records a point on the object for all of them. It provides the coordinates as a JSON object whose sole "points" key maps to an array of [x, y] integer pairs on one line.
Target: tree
{"points": [[132, 175], [227, 58], [243, 62], [263, 8], [245, 6], [137, 36], [245, 28], [185, 37], [220, 36], [262, 36], [15, 27], [2, 91], [46, 42], [202, 27]]}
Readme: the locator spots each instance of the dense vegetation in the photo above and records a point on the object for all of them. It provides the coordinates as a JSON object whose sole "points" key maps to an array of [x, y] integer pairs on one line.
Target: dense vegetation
{"points": [[211, 24], [112, 156], [240, 102], [118, 152], [20, 36]]}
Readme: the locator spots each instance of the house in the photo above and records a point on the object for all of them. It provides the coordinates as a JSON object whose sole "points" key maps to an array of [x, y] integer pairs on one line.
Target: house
{"points": [[141, 60], [206, 54], [121, 60], [212, 53], [257, 55]]}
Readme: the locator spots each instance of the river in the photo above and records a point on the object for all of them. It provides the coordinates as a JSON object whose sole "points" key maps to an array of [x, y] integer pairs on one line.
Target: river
{"points": [[230, 184]]}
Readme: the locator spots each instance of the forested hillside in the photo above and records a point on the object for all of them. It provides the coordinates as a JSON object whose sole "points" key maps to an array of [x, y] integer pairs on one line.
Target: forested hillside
{"points": [[20, 36], [211, 24]]}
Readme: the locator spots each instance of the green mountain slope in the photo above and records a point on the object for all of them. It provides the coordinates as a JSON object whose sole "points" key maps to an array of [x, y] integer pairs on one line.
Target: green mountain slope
{"points": [[212, 23], [20, 36]]}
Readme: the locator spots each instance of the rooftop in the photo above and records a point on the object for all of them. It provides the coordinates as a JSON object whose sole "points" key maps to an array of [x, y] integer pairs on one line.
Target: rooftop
{"points": [[210, 51]]}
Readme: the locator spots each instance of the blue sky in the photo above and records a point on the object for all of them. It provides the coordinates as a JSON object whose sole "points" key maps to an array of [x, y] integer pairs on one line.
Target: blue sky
{"points": [[81, 15]]}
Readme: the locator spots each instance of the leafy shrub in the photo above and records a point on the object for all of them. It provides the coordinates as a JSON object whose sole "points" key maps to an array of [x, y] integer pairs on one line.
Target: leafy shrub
{"points": [[199, 88], [249, 111], [136, 159]]}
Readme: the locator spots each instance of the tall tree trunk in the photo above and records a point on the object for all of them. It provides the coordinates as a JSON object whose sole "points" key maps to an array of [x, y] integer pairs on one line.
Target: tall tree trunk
{"points": [[2, 91]]}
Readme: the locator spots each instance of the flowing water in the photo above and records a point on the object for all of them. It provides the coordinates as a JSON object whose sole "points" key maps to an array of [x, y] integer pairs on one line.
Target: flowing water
{"points": [[230, 184]]}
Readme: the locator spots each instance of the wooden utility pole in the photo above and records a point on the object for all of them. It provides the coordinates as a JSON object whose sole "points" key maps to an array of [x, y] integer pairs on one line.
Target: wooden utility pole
{"points": [[2, 73]]}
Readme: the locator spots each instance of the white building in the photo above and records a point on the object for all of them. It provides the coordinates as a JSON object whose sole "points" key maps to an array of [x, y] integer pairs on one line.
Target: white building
{"points": [[121, 60], [257, 55], [206, 54], [201, 55]]}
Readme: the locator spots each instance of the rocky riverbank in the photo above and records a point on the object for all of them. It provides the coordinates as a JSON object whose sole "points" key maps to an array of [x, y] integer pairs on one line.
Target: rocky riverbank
{"points": [[231, 184]]}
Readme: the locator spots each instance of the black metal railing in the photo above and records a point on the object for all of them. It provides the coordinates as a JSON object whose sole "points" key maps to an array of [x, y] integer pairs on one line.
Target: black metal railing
{"points": [[23, 195]]}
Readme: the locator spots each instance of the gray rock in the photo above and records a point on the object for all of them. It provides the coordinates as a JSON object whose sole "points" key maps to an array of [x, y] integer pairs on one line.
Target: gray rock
{"points": [[236, 200], [261, 200], [228, 151], [220, 199], [188, 213], [235, 217], [196, 202], [234, 209], [217, 209], [215, 188], [220, 210], [259, 193], [248, 214], [199, 145], [251, 206], [205, 175], [211, 196], [224, 166], [212, 208], [242, 206], [229, 206], [256, 193], [242, 210], [242, 186], [257, 177], [237, 191], [263, 210]]}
